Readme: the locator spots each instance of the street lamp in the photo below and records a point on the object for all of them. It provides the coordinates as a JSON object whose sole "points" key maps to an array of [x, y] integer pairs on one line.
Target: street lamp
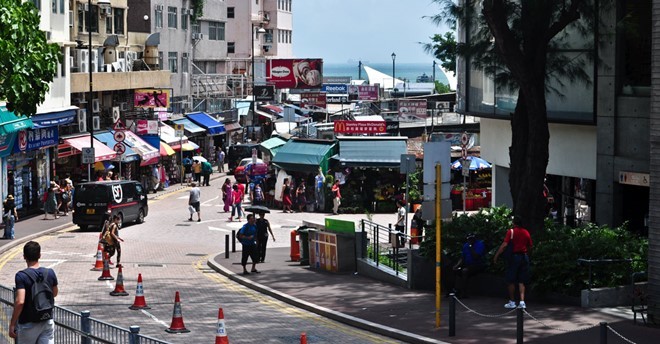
{"points": [[393, 70], [434, 64], [254, 96]]}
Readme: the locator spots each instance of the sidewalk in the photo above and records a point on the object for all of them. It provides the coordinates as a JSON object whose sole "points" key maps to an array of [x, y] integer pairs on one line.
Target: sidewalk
{"points": [[409, 315]]}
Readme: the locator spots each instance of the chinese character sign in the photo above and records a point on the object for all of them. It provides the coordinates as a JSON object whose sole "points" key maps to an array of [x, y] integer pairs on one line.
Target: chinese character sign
{"points": [[310, 100], [415, 108], [360, 127]]}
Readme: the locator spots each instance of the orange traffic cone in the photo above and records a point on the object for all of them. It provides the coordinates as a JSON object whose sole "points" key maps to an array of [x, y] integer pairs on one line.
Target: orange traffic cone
{"points": [[177, 325], [105, 275], [303, 338], [221, 330], [140, 302], [119, 286], [99, 258]]}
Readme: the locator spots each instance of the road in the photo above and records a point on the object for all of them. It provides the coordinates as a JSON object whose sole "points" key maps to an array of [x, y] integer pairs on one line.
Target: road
{"points": [[171, 255]]}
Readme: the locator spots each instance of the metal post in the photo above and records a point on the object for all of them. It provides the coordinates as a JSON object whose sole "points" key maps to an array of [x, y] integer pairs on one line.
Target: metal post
{"points": [[133, 337], [254, 96], [434, 64], [603, 333], [183, 172], [393, 71], [226, 246], [438, 243], [519, 326], [452, 315], [85, 327], [233, 241], [408, 205], [464, 193], [359, 70]]}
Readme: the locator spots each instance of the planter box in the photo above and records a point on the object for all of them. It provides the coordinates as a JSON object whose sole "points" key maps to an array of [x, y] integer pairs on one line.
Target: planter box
{"points": [[610, 297]]}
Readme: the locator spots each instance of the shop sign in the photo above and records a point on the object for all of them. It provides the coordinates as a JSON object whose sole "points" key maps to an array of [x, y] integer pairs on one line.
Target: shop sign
{"points": [[336, 98], [33, 139], [392, 126], [367, 92], [6, 144], [334, 88], [295, 73], [146, 127], [264, 93], [152, 127], [360, 127], [634, 178], [412, 107], [310, 99], [156, 98], [336, 79]]}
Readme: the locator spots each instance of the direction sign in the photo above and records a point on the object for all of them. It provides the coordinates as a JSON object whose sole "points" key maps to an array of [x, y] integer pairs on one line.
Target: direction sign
{"points": [[88, 155], [119, 136], [119, 148], [178, 130], [118, 126]]}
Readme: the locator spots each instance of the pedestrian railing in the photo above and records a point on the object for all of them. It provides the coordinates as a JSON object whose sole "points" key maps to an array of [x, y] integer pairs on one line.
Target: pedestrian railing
{"points": [[72, 327], [384, 247]]}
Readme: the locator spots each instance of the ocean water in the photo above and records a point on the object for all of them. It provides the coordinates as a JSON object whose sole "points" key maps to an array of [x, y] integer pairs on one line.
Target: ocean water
{"points": [[409, 71]]}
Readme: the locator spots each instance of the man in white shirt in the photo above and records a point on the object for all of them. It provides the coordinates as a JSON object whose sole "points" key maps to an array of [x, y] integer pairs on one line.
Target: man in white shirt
{"points": [[400, 222], [193, 201]]}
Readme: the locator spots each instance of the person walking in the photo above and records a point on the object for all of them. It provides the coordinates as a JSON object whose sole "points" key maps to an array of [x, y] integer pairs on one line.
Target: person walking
{"points": [[221, 160], [319, 197], [187, 169], [517, 265], [65, 195], [237, 203], [248, 238], [111, 239], [193, 201], [227, 197], [197, 171], [301, 200], [28, 325], [336, 197], [257, 195], [400, 222], [51, 201], [207, 169], [286, 197], [9, 217], [263, 228], [471, 263]]}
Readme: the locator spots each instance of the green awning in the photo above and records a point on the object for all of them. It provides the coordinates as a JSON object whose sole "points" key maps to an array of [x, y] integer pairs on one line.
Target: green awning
{"points": [[10, 123], [371, 152], [305, 156], [273, 145]]}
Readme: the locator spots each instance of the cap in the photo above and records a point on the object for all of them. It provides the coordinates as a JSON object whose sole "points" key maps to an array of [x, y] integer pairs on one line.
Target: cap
{"points": [[11, 197]]}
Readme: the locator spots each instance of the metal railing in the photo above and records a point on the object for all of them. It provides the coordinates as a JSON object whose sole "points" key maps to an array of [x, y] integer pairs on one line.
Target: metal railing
{"points": [[72, 327], [591, 263], [385, 246]]}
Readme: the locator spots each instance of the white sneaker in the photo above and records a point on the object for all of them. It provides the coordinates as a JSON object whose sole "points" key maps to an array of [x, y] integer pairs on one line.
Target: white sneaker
{"points": [[510, 305], [522, 305]]}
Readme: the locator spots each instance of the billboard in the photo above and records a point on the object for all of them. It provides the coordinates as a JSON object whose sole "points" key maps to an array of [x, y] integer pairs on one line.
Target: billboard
{"points": [[336, 79], [294, 73], [310, 99], [407, 107], [335, 88], [154, 98], [367, 92], [264, 93], [360, 127]]}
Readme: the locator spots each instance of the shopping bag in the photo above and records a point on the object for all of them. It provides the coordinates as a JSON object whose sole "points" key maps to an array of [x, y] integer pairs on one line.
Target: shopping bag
{"points": [[191, 209]]}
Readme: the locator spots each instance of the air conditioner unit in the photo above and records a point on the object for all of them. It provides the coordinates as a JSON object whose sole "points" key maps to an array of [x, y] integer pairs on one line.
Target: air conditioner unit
{"points": [[115, 114], [83, 7], [442, 106], [95, 61], [96, 122], [82, 60], [106, 11], [131, 56], [123, 106], [96, 106], [82, 120], [197, 35], [70, 18]]}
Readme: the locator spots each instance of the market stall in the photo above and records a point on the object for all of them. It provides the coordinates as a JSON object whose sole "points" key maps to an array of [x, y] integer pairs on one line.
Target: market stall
{"points": [[475, 188]]}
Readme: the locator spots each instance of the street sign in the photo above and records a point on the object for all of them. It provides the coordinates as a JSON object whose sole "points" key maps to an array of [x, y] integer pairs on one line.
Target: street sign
{"points": [[437, 153], [465, 139], [118, 126], [408, 164], [465, 168], [178, 130], [119, 148], [464, 153], [88, 155], [119, 136]]}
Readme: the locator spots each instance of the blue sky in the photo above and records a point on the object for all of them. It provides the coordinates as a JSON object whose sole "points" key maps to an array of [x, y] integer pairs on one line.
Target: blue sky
{"points": [[367, 30]]}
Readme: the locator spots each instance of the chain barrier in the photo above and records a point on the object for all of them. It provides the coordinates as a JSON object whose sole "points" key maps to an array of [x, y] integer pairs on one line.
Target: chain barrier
{"points": [[481, 314], [620, 335], [577, 329]]}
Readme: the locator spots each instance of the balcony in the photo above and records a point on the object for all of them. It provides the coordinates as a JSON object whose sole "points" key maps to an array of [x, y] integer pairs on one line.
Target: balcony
{"points": [[120, 80]]}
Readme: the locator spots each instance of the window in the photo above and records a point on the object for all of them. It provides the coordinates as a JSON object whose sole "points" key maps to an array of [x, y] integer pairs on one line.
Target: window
{"points": [[171, 17], [184, 62], [83, 25], [172, 58], [211, 67], [37, 4], [230, 12], [184, 19], [63, 64], [268, 36], [160, 60], [108, 24], [196, 28], [216, 31], [159, 17], [231, 47], [118, 18], [53, 4], [61, 6]]}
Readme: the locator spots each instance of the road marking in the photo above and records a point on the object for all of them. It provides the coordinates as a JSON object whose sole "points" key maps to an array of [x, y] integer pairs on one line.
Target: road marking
{"points": [[153, 317], [211, 200], [56, 262], [219, 229], [182, 197]]}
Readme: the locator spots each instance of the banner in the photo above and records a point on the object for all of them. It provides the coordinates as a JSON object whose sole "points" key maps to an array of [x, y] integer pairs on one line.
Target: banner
{"points": [[360, 127], [415, 108], [33, 139], [309, 100], [156, 98], [264, 93], [367, 92], [294, 73]]}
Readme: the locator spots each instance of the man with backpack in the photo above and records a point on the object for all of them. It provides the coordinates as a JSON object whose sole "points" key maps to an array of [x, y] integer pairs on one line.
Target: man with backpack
{"points": [[36, 289]]}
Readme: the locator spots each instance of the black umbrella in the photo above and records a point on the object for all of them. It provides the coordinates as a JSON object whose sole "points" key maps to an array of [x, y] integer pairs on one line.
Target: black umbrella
{"points": [[257, 209]]}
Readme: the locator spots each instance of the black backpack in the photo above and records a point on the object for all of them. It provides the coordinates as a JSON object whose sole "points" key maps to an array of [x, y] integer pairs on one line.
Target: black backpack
{"points": [[43, 300]]}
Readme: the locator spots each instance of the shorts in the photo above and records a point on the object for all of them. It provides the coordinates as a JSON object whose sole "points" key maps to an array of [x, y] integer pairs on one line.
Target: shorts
{"points": [[517, 270], [249, 251], [188, 175], [196, 206]]}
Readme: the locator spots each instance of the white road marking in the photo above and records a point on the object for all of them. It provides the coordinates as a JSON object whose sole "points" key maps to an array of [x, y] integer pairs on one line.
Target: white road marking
{"points": [[211, 200], [182, 197], [55, 262], [218, 229], [154, 318], [109, 285]]}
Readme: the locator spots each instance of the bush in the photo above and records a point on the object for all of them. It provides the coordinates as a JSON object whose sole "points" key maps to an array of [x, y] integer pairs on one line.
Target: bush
{"points": [[556, 250]]}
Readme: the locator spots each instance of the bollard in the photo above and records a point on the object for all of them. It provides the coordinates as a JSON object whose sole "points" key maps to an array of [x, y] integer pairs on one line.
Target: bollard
{"points": [[85, 327], [226, 246], [134, 336], [389, 233], [233, 241], [452, 315], [519, 326], [603, 333]]}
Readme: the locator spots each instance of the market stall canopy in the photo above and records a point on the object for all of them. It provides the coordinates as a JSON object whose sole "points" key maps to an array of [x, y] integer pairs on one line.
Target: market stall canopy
{"points": [[212, 126], [166, 150], [273, 144], [305, 155], [75, 145], [10, 123], [55, 117], [189, 127], [476, 163], [168, 135], [189, 146], [108, 139], [384, 151], [145, 150]]}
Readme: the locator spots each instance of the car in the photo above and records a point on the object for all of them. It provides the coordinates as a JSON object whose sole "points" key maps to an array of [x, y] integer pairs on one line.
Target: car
{"points": [[236, 153], [239, 172], [95, 201]]}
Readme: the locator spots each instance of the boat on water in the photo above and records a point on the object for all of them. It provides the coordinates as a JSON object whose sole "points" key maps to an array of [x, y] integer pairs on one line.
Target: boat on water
{"points": [[424, 78]]}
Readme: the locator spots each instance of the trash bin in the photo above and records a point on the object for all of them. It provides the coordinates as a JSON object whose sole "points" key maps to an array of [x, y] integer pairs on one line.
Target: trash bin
{"points": [[303, 233]]}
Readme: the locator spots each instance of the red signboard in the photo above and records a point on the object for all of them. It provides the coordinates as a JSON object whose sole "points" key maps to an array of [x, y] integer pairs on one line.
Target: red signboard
{"points": [[309, 100], [295, 73], [415, 108], [151, 98], [360, 127]]}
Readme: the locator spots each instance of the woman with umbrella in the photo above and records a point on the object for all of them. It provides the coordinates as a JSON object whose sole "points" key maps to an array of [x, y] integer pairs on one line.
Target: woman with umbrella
{"points": [[263, 228]]}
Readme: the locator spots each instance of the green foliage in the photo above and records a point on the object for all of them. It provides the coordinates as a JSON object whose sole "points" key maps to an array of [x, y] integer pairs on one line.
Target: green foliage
{"points": [[556, 250], [444, 49], [415, 190], [198, 9], [441, 88], [28, 63]]}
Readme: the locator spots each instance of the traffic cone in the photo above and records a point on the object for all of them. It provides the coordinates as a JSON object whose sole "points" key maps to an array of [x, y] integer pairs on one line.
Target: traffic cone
{"points": [[177, 325], [139, 302], [303, 338], [221, 330], [105, 275], [119, 286], [99, 258]]}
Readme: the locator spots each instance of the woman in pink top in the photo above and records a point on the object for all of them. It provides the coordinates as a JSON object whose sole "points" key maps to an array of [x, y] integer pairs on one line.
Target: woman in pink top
{"points": [[237, 204]]}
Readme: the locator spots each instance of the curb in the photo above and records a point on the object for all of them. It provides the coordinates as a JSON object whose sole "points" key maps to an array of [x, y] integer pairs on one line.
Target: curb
{"points": [[20, 241], [322, 311]]}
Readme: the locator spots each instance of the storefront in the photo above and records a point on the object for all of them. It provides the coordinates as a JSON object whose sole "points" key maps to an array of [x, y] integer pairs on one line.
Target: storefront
{"points": [[69, 159], [127, 162], [270, 147], [212, 127], [194, 132], [12, 182]]}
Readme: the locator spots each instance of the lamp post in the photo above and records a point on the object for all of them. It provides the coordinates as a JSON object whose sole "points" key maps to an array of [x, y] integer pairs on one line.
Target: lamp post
{"points": [[393, 70], [254, 96], [434, 64]]}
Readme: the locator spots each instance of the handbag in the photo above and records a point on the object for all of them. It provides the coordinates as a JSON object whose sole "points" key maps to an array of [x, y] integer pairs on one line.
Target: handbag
{"points": [[191, 209], [508, 251]]}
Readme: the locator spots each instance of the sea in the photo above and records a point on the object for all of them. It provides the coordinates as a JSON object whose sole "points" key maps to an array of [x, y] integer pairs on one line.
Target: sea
{"points": [[408, 71]]}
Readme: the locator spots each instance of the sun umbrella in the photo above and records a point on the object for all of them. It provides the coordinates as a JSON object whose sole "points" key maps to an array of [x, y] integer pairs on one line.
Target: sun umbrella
{"points": [[257, 209], [476, 163], [166, 150], [199, 158]]}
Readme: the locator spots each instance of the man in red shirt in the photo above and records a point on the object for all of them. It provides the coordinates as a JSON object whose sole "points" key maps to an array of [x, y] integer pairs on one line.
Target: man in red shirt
{"points": [[517, 269]]}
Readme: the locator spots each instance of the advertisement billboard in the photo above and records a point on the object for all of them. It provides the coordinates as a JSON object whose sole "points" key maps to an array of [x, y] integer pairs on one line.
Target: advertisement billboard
{"points": [[264, 93], [154, 98], [367, 92], [336, 79], [360, 127], [295, 73], [309, 100], [334, 88], [407, 107]]}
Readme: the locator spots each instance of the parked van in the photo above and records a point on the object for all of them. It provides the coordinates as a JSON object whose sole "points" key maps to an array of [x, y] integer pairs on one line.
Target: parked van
{"points": [[92, 202], [236, 153]]}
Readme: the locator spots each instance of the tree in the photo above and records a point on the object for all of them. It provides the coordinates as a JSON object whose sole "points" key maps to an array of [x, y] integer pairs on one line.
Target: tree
{"points": [[444, 49], [518, 43], [28, 63]]}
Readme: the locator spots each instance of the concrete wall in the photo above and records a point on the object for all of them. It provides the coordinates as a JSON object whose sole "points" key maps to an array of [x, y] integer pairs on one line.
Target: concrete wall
{"points": [[654, 216], [120, 81]]}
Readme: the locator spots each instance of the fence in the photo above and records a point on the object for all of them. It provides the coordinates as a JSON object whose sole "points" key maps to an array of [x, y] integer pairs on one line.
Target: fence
{"points": [[74, 328], [387, 246]]}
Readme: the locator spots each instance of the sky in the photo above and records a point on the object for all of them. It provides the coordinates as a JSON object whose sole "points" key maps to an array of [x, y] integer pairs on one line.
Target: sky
{"points": [[367, 30]]}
